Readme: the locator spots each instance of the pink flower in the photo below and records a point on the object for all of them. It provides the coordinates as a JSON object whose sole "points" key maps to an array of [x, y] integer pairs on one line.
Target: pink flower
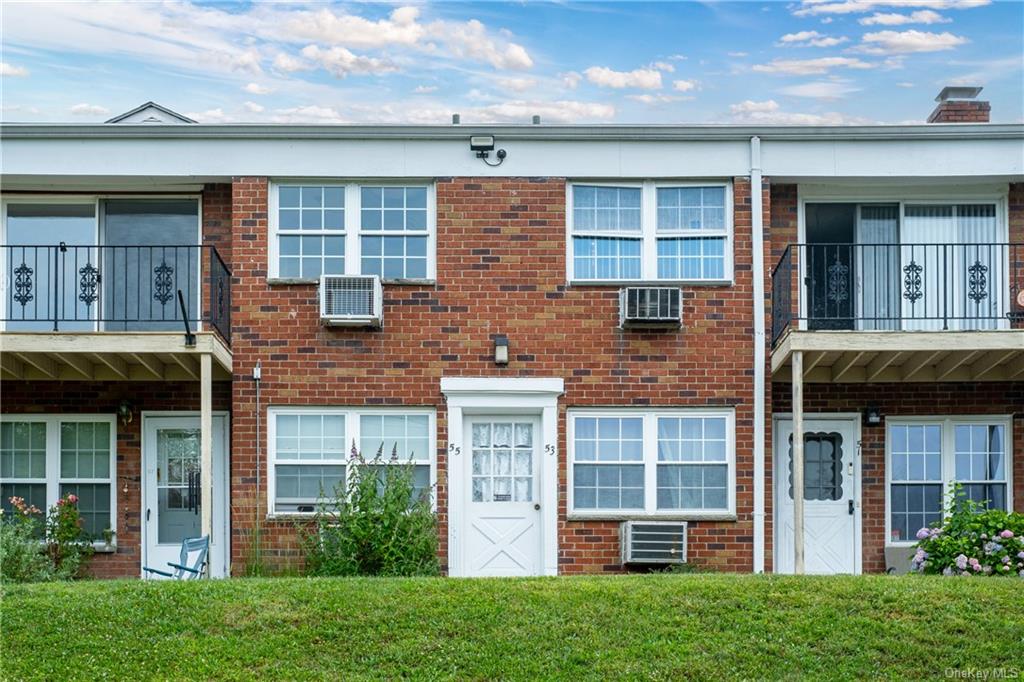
{"points": [[73, 499], [1006, 534]]}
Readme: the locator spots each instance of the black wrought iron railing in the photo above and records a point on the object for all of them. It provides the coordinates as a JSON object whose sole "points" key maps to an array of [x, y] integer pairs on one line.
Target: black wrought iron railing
{"points": [[68, 287], [898, 287]]}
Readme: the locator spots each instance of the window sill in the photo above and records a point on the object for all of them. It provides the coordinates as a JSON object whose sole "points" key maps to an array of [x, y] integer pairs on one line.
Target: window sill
{"points": [[650, 283], [642, 516], [104, 548], [286, 281]]}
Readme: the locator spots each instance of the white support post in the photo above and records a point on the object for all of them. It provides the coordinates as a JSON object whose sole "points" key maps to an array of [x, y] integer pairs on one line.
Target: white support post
{"points": [[798, 462], [206, 445]]}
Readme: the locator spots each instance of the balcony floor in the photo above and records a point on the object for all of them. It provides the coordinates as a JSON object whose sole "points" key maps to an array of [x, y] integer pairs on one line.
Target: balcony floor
{"points": [[901, 356], [110, 356]]}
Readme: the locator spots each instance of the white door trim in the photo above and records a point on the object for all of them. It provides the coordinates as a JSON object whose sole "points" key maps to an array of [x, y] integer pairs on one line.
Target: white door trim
{"points": [[220, 547], [855, 419], [490, 395]]}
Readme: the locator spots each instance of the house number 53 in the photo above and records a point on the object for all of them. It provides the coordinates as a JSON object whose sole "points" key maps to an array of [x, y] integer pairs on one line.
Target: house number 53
{"points": [[549, 449]]}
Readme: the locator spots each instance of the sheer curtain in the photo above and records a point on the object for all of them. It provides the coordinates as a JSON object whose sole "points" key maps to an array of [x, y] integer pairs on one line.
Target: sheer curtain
{"points": [[878, 274]]}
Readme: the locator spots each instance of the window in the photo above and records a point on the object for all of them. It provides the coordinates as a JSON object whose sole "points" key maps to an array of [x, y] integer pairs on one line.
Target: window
{"points": [[662, 462], [310, 449], [43, 458], [339, 229], [651, 231], [927, 457]]}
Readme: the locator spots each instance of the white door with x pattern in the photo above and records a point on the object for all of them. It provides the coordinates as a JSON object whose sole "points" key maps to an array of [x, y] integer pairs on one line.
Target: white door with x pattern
{"points": [[503, 519]]}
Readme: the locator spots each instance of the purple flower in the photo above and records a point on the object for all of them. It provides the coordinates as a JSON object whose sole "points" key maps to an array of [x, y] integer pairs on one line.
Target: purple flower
{"points": [[947, 571], [1006, 559], [1020, 555], [923, 533], [961, 562], [1006, 534]]}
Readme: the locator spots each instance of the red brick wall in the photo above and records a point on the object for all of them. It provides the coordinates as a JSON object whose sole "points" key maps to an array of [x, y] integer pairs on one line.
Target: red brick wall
{"points": [[953, 399], [104, 397], [501, 270], [961, 112]]}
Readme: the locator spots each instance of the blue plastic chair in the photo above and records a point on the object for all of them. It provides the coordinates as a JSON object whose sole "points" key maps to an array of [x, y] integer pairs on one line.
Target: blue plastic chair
{"points": [[192, 563]]}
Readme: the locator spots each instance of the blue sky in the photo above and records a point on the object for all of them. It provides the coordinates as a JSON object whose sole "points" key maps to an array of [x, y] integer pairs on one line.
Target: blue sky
{"points": [[806, 61]]}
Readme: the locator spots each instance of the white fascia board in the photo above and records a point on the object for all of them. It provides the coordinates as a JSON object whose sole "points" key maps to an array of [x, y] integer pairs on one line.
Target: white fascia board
{"points": [[452, 386]]}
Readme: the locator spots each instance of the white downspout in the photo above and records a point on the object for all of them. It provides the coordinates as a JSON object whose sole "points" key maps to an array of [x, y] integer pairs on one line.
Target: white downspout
{"points": [[757, 272]]}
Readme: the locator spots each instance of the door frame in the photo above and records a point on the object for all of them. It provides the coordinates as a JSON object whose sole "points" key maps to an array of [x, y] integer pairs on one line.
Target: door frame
{"points": [[858, 498], [472, 396], [220, 492]]}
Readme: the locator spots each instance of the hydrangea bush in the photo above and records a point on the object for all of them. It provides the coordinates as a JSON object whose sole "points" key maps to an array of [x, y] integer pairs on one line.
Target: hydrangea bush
{"points": [[972, 541]]}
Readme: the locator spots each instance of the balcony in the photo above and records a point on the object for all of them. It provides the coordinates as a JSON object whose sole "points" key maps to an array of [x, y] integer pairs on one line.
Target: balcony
{"points": [[900, 312], [114, 312]]}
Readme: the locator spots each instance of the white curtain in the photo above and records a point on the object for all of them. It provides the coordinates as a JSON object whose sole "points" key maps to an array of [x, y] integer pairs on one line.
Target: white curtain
{"points": [[878, 266]]}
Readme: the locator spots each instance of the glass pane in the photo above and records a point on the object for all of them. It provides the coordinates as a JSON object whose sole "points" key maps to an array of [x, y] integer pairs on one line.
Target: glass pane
{"points": [[23, 450], [93, 506], [501, 471], [178, 515], [85, 450], [299, 488]]}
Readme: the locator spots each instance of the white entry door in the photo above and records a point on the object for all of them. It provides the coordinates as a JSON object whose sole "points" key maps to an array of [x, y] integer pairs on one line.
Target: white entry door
{"points": [[503, 519], [170, 505], [831, 509]]}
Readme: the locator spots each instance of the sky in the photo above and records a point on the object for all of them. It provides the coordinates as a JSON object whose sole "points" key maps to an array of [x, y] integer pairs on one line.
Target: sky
{"points": [[801, 62]]}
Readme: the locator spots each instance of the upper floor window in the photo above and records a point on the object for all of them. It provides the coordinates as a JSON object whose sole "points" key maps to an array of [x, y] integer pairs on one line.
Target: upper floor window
{"points": [[337, 229], [650, 231]]}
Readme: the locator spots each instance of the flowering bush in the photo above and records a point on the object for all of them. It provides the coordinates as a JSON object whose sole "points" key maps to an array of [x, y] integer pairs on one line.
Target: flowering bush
{"points": [[34, 548], [972, 541]]}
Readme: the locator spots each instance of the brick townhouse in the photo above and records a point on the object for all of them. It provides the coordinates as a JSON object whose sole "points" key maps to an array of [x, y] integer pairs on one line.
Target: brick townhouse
{"points": [[592, 342]]}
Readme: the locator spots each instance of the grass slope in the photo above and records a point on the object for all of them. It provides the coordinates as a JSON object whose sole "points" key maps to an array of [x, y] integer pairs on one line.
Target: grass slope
{"points": [[655, 626]]}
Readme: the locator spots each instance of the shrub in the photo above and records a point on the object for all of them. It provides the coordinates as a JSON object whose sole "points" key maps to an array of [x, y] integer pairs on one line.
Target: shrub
{"points": [[972, 541], [27, 554], [374, 524]]}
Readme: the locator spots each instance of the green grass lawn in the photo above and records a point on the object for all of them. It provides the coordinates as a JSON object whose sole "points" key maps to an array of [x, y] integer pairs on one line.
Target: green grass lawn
{"points": [[654, 626]]}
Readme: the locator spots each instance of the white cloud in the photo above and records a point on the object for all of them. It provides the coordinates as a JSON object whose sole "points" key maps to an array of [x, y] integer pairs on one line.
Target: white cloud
{"points": [[653, 99], [924, 16], [561, 111], [662, 66], [257, 89], [424, 89], [807, 67], [89, 110], [211, 116], [325, 26], [12, 71], [905, 42], [571, 80], [254, 108], [290, 63], [738, 54], [471, 40], [308, 114], [340, 62], [809, 39], [684, 85], [906, 84], [647, 79], [515, 84], [677, 57], [820, 90], [818, 7], [769, 112]]}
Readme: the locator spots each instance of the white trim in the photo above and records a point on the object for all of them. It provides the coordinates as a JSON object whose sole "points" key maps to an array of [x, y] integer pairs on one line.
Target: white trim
{"points": [[947, 459], [351, 416], [53, 479], [352, 225], [648, 234], [650, 463], [502, 395], [858, 495], [757, 269]]}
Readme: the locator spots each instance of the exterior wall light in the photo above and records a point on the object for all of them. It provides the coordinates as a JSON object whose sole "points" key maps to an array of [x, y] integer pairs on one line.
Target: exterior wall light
{"points": [[124, 411], [483, 145], [873, 416], [501, 350]]}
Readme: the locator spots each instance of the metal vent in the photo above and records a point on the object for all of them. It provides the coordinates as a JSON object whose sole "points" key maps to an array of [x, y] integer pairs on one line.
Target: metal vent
{"points": [[649, 306], [356, 300], [654, 542]]}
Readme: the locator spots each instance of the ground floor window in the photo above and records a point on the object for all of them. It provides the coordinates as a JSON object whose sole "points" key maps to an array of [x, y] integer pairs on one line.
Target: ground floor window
{"points": [[656, 462], [45, 457], [310, 449], [927, 457]]}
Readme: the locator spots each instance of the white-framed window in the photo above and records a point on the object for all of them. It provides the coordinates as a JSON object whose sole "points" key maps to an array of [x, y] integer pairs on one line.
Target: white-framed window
{"points": [[45, 457], [667, 462], [650, 231], [310, 449], [927, 456], [381, 228]]}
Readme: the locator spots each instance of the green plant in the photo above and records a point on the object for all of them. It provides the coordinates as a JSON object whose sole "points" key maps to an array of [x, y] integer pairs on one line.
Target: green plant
{"points": [[66, 542], [22, 558], [972, 541], [374, 524]]}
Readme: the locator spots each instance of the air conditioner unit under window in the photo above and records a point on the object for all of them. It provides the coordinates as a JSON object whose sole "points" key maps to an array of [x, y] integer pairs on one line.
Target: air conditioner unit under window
{"points": [[648, 307], [351, 301], [654, 542]]}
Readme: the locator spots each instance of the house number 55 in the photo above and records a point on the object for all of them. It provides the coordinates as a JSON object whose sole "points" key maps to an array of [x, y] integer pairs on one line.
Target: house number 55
{"points": [[549, 449], [454, 449]]}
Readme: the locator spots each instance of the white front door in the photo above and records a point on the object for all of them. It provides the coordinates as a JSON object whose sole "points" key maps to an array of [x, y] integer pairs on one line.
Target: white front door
{"points": [[502, 519], [170, 505], [831, 509]]}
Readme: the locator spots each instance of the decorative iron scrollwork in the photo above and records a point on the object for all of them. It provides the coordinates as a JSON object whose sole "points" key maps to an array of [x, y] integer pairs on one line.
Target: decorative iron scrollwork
{"points": [[89, 277], [163, 283], [838, 284], [912, 282], [23, 284], [977, 282], [220, 297]]}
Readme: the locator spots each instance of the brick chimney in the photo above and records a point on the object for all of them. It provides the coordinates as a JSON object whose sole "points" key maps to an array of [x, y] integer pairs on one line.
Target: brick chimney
{"points": [[957, 104]]}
